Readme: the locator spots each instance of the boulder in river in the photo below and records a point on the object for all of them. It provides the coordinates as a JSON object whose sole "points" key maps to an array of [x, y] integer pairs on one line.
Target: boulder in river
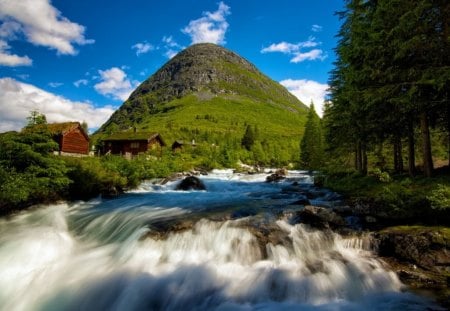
{"points": [[321, 217], [191, 183], [279, 175]]}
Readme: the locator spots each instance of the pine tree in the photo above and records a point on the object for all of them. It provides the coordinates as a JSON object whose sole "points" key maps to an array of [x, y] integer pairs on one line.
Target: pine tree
{"points": [[36, 118], [311, 146], [249, 138]]}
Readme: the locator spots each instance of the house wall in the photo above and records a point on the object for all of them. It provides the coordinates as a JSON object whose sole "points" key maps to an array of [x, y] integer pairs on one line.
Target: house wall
{"points": [[124, 147], [74, 142], [135, 147]]}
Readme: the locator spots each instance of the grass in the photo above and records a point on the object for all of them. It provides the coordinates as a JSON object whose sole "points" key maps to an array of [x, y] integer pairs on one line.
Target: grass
{"points": [[222, 119], [412, 200]]}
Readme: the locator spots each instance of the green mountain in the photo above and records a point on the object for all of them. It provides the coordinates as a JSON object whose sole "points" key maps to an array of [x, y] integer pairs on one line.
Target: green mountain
{"points": [[210, 94]]}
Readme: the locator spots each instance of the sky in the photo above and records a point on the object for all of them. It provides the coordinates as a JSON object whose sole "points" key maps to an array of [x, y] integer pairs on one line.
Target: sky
{"points": [[79, 60]]}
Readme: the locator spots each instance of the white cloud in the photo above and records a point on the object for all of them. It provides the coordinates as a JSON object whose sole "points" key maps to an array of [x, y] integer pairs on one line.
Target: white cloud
{"points": [[142, 48], [209, 28], [12, 60], [290, 48], [170, 53], [170, 42], [23, 76], [41, 24], [80, 82], [114, 83], [307, 91], [296, 50], [316, 28], [282, 47], [55, 84], [17, 99], [311, 55], [171, 46]]}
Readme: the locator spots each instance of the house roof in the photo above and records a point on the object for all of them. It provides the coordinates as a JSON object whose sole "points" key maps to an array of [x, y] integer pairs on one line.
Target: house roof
{"points": [[130, 136], [60, 128]]}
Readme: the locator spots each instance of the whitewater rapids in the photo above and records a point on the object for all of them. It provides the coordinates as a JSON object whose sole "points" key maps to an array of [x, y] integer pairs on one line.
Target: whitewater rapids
{"points": [[106, 255]]}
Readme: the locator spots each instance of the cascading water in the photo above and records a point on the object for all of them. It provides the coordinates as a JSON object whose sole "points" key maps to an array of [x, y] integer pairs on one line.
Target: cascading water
{"points": [[234, 252]]}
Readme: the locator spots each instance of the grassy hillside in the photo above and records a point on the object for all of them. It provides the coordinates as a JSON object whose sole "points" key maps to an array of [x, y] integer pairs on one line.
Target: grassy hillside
{"points": [[210, 94]]}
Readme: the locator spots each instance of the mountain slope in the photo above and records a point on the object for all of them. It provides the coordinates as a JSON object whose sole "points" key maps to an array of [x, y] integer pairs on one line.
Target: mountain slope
{"points": [[207, 92]]}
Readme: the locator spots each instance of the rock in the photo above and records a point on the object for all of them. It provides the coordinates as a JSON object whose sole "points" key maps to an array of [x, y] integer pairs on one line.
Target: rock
{"points": [[172, 177], [111, 193], [281, 172], [321, 217], [243, 212], [343, 210], [279, 175], [191, 183], [425, 247]]}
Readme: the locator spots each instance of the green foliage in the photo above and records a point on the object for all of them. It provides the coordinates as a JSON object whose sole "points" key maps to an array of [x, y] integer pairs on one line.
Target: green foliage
{"points": [[422, 200], [381, 176], [91, 177], [28, 171], [391, 78], [311, 146], [440, 197], [249, 138], [36, 118]]}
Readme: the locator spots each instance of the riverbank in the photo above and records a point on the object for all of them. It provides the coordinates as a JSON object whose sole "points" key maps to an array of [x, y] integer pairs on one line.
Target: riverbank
{"points": [[409, 219], [395, 200]]}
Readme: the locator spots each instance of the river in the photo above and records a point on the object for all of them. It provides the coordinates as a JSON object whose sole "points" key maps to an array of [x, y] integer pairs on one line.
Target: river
{"points": [[236, 246]]}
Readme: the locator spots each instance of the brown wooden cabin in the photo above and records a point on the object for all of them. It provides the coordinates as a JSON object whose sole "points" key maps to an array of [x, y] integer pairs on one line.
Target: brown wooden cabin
{"points": [[132, 143], [180, 144], [70, 136]]}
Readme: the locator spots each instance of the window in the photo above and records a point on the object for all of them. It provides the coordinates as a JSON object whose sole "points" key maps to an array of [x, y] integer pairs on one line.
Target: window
{"points": [[135, 145]]}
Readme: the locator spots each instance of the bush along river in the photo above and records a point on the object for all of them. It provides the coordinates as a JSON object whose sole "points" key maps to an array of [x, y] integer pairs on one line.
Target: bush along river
{"points": [[240, 244]]}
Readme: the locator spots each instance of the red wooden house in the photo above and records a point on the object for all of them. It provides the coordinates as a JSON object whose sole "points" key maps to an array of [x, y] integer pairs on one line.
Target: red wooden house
{"points": [[132, 143], [70, 136]]}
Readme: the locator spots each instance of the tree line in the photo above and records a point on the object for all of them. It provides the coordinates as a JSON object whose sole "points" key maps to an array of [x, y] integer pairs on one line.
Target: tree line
{"points": [[391, 80]]}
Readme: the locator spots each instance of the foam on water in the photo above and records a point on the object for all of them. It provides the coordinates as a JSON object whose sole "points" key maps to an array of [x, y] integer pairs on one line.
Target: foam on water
{"points": [[102, 255]]}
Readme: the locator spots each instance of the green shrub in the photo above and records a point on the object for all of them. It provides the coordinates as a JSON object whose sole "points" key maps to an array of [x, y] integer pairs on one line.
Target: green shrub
{"points": [[439, 197], [381, 176]]}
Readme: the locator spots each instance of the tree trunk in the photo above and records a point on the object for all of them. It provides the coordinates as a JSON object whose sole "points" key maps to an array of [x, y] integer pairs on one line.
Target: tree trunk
{"points": [[398, 157], [395, 155], [358, 157], [411, 150], [448, 127], [426, 145], [364, 164]]}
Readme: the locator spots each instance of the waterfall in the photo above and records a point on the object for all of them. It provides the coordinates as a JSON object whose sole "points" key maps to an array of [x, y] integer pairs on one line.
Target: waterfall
{"points": [[108, 255]]}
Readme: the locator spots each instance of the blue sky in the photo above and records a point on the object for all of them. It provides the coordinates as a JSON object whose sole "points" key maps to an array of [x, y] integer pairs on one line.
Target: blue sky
{"points": [[80, 59]]}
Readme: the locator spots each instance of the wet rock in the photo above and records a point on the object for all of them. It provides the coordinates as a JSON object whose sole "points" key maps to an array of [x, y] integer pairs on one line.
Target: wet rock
{"points": [[426, 247], [343, 210], [321, 217], [243, 212], [275, 178], [111, 193], [279, 175], [282, 172], [191, 183], [171, 178]]}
